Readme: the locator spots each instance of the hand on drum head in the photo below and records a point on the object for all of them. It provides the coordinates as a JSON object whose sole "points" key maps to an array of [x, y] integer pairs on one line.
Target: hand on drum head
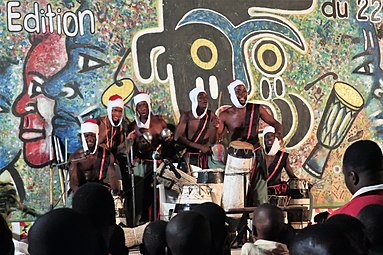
{"points": [[204, 149]]}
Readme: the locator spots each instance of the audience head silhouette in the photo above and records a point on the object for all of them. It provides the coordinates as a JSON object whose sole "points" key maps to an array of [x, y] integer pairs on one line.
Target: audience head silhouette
{"points": [[6, 243], [188, 233], [95, 202], [371, 217], [64, 231], [362, 165], [320, 239], [154, 239], [353, 229], [216, 217], [267, 222]]}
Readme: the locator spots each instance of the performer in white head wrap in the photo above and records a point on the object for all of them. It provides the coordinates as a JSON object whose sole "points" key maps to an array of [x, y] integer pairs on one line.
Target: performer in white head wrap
{"points": [[196, 129], [142, 97], [148, 139], [233, 95], [274, 148], [89, 126], [276, 161], [90, 164], [115, 101], [240, 122], [193, 95]]}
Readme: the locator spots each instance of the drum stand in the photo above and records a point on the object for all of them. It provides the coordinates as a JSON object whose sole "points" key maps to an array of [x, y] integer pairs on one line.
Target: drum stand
{"points": [[242, 227]]}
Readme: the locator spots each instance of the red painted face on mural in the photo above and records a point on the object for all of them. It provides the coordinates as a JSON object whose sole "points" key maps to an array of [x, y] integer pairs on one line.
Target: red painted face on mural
{"points": [[46, 57]]}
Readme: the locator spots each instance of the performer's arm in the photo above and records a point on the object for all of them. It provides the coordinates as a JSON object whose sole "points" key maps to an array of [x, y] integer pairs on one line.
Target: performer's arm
{"points": [[269, 119], [213, 127], [102, 132], [221, 129], [113, 180], [73, 175], [289, 169]]}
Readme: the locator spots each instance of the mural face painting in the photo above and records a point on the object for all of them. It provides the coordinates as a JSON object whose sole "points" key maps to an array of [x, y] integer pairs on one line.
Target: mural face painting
{"points": [[316, 66]]}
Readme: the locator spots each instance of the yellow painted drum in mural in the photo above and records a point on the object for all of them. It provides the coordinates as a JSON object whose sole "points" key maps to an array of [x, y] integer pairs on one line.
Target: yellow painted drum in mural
{"points": [[237, 172], [341, 110]]}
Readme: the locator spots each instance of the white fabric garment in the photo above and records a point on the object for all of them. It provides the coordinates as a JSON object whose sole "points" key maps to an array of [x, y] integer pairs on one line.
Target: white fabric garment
{"points": [[367, 189], [142, 97], [193, 95], [21, 248], [233, 96], [264, 247]]}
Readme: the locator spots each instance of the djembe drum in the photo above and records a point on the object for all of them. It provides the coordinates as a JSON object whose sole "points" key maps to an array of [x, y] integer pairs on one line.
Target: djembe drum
{"points": [[238, 167]]}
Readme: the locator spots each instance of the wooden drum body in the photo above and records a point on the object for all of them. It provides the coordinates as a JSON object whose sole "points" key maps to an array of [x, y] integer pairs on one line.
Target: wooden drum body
{"points": [[299, 207], [238, 166]]}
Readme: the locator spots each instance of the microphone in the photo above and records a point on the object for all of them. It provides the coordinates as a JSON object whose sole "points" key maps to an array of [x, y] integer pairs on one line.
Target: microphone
{"points": [[156, 154], [87, 153], [172, 168]]}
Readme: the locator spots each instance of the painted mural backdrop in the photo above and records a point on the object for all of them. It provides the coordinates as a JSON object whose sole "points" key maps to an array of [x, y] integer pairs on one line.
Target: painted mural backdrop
{"points": [[316, 65]]}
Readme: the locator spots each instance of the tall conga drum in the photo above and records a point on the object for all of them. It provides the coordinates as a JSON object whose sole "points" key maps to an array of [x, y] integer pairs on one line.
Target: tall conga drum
{"points": [[238, 167], [299, 207]]}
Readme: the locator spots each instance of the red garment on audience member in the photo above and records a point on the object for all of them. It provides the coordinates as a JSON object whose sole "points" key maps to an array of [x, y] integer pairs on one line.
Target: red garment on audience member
{"points": [[365, 196]]}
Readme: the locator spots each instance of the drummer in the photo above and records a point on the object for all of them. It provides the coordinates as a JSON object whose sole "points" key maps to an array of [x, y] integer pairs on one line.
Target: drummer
{"points": [[276, 160], [197, 129], [147, 131], [241, 122]]}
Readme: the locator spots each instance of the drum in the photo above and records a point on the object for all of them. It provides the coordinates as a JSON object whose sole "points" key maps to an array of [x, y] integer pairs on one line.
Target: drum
{"points": [[167, 177], [238, 166], [119, 207], [214, 179], [191, 196], [298, 217], [280, 201], [299, 206], [210, 175], [298, 189]]}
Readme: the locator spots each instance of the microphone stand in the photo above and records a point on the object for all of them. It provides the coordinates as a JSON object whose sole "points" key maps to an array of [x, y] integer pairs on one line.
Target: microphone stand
{"points": [[155, 156], [129, 166]]}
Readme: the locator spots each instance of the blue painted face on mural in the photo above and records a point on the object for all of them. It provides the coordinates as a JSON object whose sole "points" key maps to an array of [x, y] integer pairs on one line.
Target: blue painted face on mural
{"points": [[10, 145], [76, 89], [367, 65]]}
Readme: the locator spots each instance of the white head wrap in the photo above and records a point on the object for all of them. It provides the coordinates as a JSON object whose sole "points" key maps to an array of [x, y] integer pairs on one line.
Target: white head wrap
{"points": [[193, 95], [114, 101], [276, 145], [89, 126], [142, 97], [233, 96]]}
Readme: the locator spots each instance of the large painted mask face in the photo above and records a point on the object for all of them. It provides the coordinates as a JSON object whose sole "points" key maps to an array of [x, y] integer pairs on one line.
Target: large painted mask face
{"points": [[46, 57]]}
